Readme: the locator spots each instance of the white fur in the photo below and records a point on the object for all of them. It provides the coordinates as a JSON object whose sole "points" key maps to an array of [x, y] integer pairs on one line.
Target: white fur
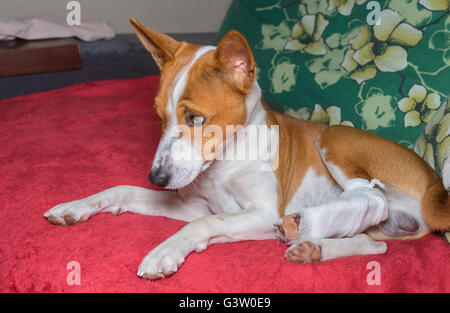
{"points": [[314, 190]]}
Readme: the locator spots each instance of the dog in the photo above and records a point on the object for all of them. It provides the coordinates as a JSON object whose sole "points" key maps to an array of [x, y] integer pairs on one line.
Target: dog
{"points": [[327, 191]]}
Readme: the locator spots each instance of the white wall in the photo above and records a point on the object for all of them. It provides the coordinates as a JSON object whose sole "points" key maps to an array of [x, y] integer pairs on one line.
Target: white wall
{"points": [[170, 16]]}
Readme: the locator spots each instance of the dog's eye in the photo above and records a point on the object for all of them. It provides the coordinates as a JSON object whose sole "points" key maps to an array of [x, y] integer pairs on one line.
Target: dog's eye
{"points": [[194, 120]]}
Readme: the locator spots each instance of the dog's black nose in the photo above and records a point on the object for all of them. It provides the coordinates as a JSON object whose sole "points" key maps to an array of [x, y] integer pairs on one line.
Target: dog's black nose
{"points": [[159, 176]]}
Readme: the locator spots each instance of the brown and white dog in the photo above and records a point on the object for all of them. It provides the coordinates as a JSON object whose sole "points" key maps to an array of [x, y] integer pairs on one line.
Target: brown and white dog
{"points": [[335, 190]]}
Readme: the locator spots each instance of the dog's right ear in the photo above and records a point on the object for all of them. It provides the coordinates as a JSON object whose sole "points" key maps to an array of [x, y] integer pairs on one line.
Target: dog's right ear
{"points": [[161, 46]]}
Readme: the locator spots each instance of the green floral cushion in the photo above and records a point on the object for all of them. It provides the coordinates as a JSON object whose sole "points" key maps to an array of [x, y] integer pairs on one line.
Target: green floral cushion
{"points": [[434, 144], [344, 62]]}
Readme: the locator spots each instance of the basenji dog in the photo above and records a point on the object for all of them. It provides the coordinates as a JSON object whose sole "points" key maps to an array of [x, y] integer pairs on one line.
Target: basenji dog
{"points": [[327, 191]]}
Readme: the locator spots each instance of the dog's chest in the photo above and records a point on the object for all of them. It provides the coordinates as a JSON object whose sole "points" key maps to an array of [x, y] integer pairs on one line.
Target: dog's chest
{"points": [[229, 187], [221, 198]]}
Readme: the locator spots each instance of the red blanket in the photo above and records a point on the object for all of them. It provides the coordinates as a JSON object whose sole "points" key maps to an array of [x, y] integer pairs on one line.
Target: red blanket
{"points": [[66, 144]]}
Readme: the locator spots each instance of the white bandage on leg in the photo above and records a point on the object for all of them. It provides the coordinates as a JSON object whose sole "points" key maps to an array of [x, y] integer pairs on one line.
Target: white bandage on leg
{"points": [[360, 206]]}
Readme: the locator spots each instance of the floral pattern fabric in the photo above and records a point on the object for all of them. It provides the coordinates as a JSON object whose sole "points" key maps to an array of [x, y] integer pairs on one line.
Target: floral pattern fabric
{"points": [[346, 62]]}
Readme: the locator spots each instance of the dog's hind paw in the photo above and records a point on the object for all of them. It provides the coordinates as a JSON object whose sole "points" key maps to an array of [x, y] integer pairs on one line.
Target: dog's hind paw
{"points": [[304, 252], [287, 228]]}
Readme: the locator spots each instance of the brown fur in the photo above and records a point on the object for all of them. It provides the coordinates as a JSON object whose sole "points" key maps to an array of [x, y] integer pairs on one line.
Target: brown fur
{"points": [[216, 88], [436, 207], [209, 94], [296, 155], [161, 46]]}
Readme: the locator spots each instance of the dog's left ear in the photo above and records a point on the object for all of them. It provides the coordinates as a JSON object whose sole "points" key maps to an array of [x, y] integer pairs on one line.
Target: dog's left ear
{"points": [[235, 59]]}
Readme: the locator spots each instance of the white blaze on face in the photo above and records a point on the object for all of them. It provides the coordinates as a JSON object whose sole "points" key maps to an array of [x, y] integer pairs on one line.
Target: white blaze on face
{"points": [[186, 161]]}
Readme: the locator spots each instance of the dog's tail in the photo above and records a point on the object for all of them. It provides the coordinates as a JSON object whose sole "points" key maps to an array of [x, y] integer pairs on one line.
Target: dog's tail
{"points": [[436, 207]]}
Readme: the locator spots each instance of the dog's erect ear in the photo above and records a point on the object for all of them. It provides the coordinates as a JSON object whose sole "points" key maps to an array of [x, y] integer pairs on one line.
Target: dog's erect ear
{"points": [[235, 58], [161, 46]]}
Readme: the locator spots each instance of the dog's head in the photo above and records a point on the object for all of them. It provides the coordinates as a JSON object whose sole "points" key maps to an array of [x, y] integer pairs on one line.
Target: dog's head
{"points": [[202, 90]]}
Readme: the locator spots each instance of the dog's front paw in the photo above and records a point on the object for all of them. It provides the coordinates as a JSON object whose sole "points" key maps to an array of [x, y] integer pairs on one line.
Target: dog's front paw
{"points": [[162, 261], [287, 228], [73, 212]]}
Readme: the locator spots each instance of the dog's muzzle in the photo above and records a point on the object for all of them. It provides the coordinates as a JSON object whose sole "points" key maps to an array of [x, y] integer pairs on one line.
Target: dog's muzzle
{"points": [[159, 176]]}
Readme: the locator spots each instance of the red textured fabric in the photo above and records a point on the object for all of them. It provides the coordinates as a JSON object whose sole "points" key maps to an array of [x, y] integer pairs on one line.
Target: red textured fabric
{"points": [[66, 144]]}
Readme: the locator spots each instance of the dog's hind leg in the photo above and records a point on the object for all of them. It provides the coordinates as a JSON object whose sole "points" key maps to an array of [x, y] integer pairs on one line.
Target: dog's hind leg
{"points": [[121, 199], [365, 170], [405, 219], [315, 250], [350, 153], [359, 207]]}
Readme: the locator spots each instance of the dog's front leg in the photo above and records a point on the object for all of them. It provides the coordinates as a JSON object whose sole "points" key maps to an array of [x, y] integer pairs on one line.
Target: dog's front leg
{"points": [[167, 257], [121, 199]]}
